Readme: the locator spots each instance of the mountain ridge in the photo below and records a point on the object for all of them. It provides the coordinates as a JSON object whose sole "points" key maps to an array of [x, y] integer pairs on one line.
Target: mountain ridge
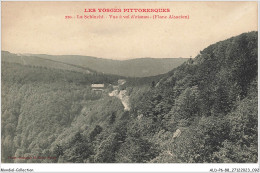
{"points": [[138, 67]]}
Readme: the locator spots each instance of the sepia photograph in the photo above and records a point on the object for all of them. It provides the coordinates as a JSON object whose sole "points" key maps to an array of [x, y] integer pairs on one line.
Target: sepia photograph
{"points": [[129, 82]]}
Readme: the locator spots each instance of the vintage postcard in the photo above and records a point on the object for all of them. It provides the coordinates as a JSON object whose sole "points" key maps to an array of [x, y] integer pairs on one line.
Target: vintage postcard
{"points": [[121, 82]]}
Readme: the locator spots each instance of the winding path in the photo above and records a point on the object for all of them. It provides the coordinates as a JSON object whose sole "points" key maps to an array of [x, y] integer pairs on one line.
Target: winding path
{"points": [[121, 94]]}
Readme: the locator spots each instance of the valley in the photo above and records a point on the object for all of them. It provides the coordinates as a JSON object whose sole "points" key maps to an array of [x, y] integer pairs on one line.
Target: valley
{"points": [[78, 109]]}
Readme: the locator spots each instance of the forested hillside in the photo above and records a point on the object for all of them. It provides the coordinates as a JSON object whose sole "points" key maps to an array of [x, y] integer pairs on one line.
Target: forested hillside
{"points": [[212, 101], [39, 103], [202, 111]]}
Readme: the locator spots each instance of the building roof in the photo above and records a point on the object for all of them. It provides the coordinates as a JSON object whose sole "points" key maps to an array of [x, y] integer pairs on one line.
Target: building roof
{"points": [[97, 85]]}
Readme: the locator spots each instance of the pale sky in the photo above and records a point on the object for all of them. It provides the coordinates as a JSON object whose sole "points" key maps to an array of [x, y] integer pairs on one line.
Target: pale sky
{"points": [[41, 28]]}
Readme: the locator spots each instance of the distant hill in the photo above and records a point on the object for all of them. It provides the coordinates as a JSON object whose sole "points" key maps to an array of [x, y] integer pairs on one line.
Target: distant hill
{"points": [[41, 62], [141, 67]]}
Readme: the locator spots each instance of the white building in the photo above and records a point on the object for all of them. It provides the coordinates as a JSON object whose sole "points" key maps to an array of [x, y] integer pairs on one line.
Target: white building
{"points": [[98, 87]]}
